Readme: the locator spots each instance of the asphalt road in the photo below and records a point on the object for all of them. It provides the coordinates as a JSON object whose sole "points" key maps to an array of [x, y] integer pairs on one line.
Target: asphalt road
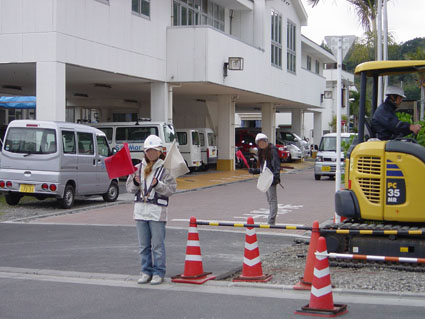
{"points": [[85, 264]]}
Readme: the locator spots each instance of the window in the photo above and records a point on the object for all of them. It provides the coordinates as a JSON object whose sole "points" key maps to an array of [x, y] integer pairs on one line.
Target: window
{"points": [[142, 7], [182, 138], [198, 12], [291, 47], [169, 134], [85, 143], [31, 140], [317, 70], [102, 146], [68, 141], [135, 134], [276, 38], [202, 139], [308, 62]]}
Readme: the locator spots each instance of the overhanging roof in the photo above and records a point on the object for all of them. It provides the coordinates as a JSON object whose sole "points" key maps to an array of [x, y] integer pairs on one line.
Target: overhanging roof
{"points": [[378, 68]]}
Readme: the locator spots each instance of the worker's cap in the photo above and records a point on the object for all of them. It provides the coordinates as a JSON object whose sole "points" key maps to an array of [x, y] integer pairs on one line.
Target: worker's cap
{"points": [[395, 90], [261, 136]]}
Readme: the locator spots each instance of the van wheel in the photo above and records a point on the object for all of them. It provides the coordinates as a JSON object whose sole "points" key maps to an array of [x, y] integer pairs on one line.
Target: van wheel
{"points": [[317, 177], [112, 194], [12, 199], [67, 200]]}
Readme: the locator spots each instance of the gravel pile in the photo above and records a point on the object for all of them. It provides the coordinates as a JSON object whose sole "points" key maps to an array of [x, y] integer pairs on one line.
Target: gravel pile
{"points": [[287, 267]]}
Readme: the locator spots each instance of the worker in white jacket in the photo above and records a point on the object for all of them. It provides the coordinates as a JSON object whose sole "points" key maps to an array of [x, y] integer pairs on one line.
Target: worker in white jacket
{"points": [[152, 185]]}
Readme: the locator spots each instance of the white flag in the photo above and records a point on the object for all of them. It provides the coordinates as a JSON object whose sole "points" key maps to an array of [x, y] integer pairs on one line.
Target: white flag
{"points": [[174, 162]]}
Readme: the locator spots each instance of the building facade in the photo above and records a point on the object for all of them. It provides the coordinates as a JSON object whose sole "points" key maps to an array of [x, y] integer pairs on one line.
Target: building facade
{"points": [[191, 62]]}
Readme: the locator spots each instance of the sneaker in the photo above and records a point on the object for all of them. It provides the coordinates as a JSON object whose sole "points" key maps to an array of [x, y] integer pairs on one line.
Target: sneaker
{"points": [[156, 280], [144, 279]]}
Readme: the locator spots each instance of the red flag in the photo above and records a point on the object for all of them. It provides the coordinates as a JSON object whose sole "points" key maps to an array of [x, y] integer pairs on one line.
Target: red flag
{"points": [[120, 163]]}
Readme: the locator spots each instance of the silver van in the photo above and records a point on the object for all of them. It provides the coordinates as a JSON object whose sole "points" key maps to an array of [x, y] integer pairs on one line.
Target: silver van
{"points": [[135, 133], [55, 159], [325, 163]]}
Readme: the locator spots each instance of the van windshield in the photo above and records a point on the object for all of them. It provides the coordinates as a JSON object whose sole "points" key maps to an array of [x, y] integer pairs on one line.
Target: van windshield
{"points": [[328, 143], [169, 134], [30, 140]]}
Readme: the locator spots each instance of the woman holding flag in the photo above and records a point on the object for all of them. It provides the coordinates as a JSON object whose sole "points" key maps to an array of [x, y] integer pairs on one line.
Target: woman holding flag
{"points": [[152, 184]]}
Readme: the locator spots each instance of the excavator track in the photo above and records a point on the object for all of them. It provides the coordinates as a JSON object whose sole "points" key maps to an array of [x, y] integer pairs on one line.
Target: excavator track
{"points": [[370, 238]]}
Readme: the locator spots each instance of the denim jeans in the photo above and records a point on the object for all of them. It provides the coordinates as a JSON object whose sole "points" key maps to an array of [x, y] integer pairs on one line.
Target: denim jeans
{"points": [[272, 200], [151, 236]]}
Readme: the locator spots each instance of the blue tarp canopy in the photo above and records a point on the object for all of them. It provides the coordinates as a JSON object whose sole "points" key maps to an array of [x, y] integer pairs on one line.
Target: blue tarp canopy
{"points": [[17, 102]]}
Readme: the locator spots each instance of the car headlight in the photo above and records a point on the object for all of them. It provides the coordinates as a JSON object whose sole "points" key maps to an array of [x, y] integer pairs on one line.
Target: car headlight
{"points": [[281, 149], [319, 158]]}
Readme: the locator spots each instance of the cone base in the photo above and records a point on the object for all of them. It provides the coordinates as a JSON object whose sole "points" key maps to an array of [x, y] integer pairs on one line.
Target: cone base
{"points": [[337, 310], [198, 280], [264, 278], [302, 285]]}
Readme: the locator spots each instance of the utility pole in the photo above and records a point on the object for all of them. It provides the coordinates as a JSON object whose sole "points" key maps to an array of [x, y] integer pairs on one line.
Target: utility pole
{"points": [[339, 46]]}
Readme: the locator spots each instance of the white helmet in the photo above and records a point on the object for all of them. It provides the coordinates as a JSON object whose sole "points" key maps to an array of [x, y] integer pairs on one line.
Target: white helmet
{"points": [[395, 90], [261, 136], [153, 141]]}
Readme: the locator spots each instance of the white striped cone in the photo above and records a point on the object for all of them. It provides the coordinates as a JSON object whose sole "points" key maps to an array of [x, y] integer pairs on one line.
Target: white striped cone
{"points": [[321, 299], [193, 268], [251, 269]]}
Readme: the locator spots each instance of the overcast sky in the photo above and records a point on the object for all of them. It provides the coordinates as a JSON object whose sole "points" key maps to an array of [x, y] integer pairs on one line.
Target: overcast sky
{"points": [[337, 17]]}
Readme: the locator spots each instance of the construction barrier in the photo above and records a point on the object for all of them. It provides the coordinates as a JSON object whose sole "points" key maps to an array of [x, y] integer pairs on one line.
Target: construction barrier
{"points": [[416, 232], [252, 269], [374, 258], [193, 268], [288, 227], [321, 298], [374, 232]]}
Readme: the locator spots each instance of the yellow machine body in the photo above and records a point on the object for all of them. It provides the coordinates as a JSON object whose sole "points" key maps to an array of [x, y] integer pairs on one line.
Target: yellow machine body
{"points": [[389, 184]]}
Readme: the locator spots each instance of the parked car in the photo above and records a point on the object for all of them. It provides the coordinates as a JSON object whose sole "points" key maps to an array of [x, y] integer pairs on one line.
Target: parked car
{"points": [[245, 141], [55, 159], [208, 147], [293, 151], [325, 163], [190, 147], [292, 138]]}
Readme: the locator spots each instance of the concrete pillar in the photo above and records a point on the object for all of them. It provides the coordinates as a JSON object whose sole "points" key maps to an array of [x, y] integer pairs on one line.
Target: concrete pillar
{"points": [[226, 133], [51, 91], [317, 128], [259, 15], [297, 122], [268, 121], [160, 102]]}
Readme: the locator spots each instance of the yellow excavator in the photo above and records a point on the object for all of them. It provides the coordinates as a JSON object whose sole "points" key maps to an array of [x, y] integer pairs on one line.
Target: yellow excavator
{"points": [[384, 182]]}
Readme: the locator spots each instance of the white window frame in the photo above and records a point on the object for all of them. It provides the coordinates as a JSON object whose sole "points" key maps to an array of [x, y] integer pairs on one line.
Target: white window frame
{"points": [[308, 62], [198, 12], [140, 5], [276, 38], [291, 47]]}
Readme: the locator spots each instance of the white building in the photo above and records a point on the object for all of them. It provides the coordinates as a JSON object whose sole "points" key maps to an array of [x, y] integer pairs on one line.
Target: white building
{"points": [[164, 59]]}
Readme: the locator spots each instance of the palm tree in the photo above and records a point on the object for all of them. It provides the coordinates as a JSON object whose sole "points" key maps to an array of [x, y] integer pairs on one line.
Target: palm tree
{"points": [[366, 12]]}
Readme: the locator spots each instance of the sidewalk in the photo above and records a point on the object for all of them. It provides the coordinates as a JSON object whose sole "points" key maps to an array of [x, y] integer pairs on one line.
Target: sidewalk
{"points": [[213, 177]]}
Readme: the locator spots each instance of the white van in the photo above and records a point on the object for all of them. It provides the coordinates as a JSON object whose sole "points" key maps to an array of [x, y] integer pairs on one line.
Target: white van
{"points": [[325, 164], [190, 147], [208, 147], [55, 159], [135, 133]]}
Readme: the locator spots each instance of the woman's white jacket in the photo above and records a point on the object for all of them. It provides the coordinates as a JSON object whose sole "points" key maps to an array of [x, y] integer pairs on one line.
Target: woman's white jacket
{"points": [[166, 186]]}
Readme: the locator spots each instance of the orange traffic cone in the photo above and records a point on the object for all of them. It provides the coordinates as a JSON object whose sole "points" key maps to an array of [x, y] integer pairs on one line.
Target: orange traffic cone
{"points": [[305, 282], [321, 299], [193, 269], [251, 269]]}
